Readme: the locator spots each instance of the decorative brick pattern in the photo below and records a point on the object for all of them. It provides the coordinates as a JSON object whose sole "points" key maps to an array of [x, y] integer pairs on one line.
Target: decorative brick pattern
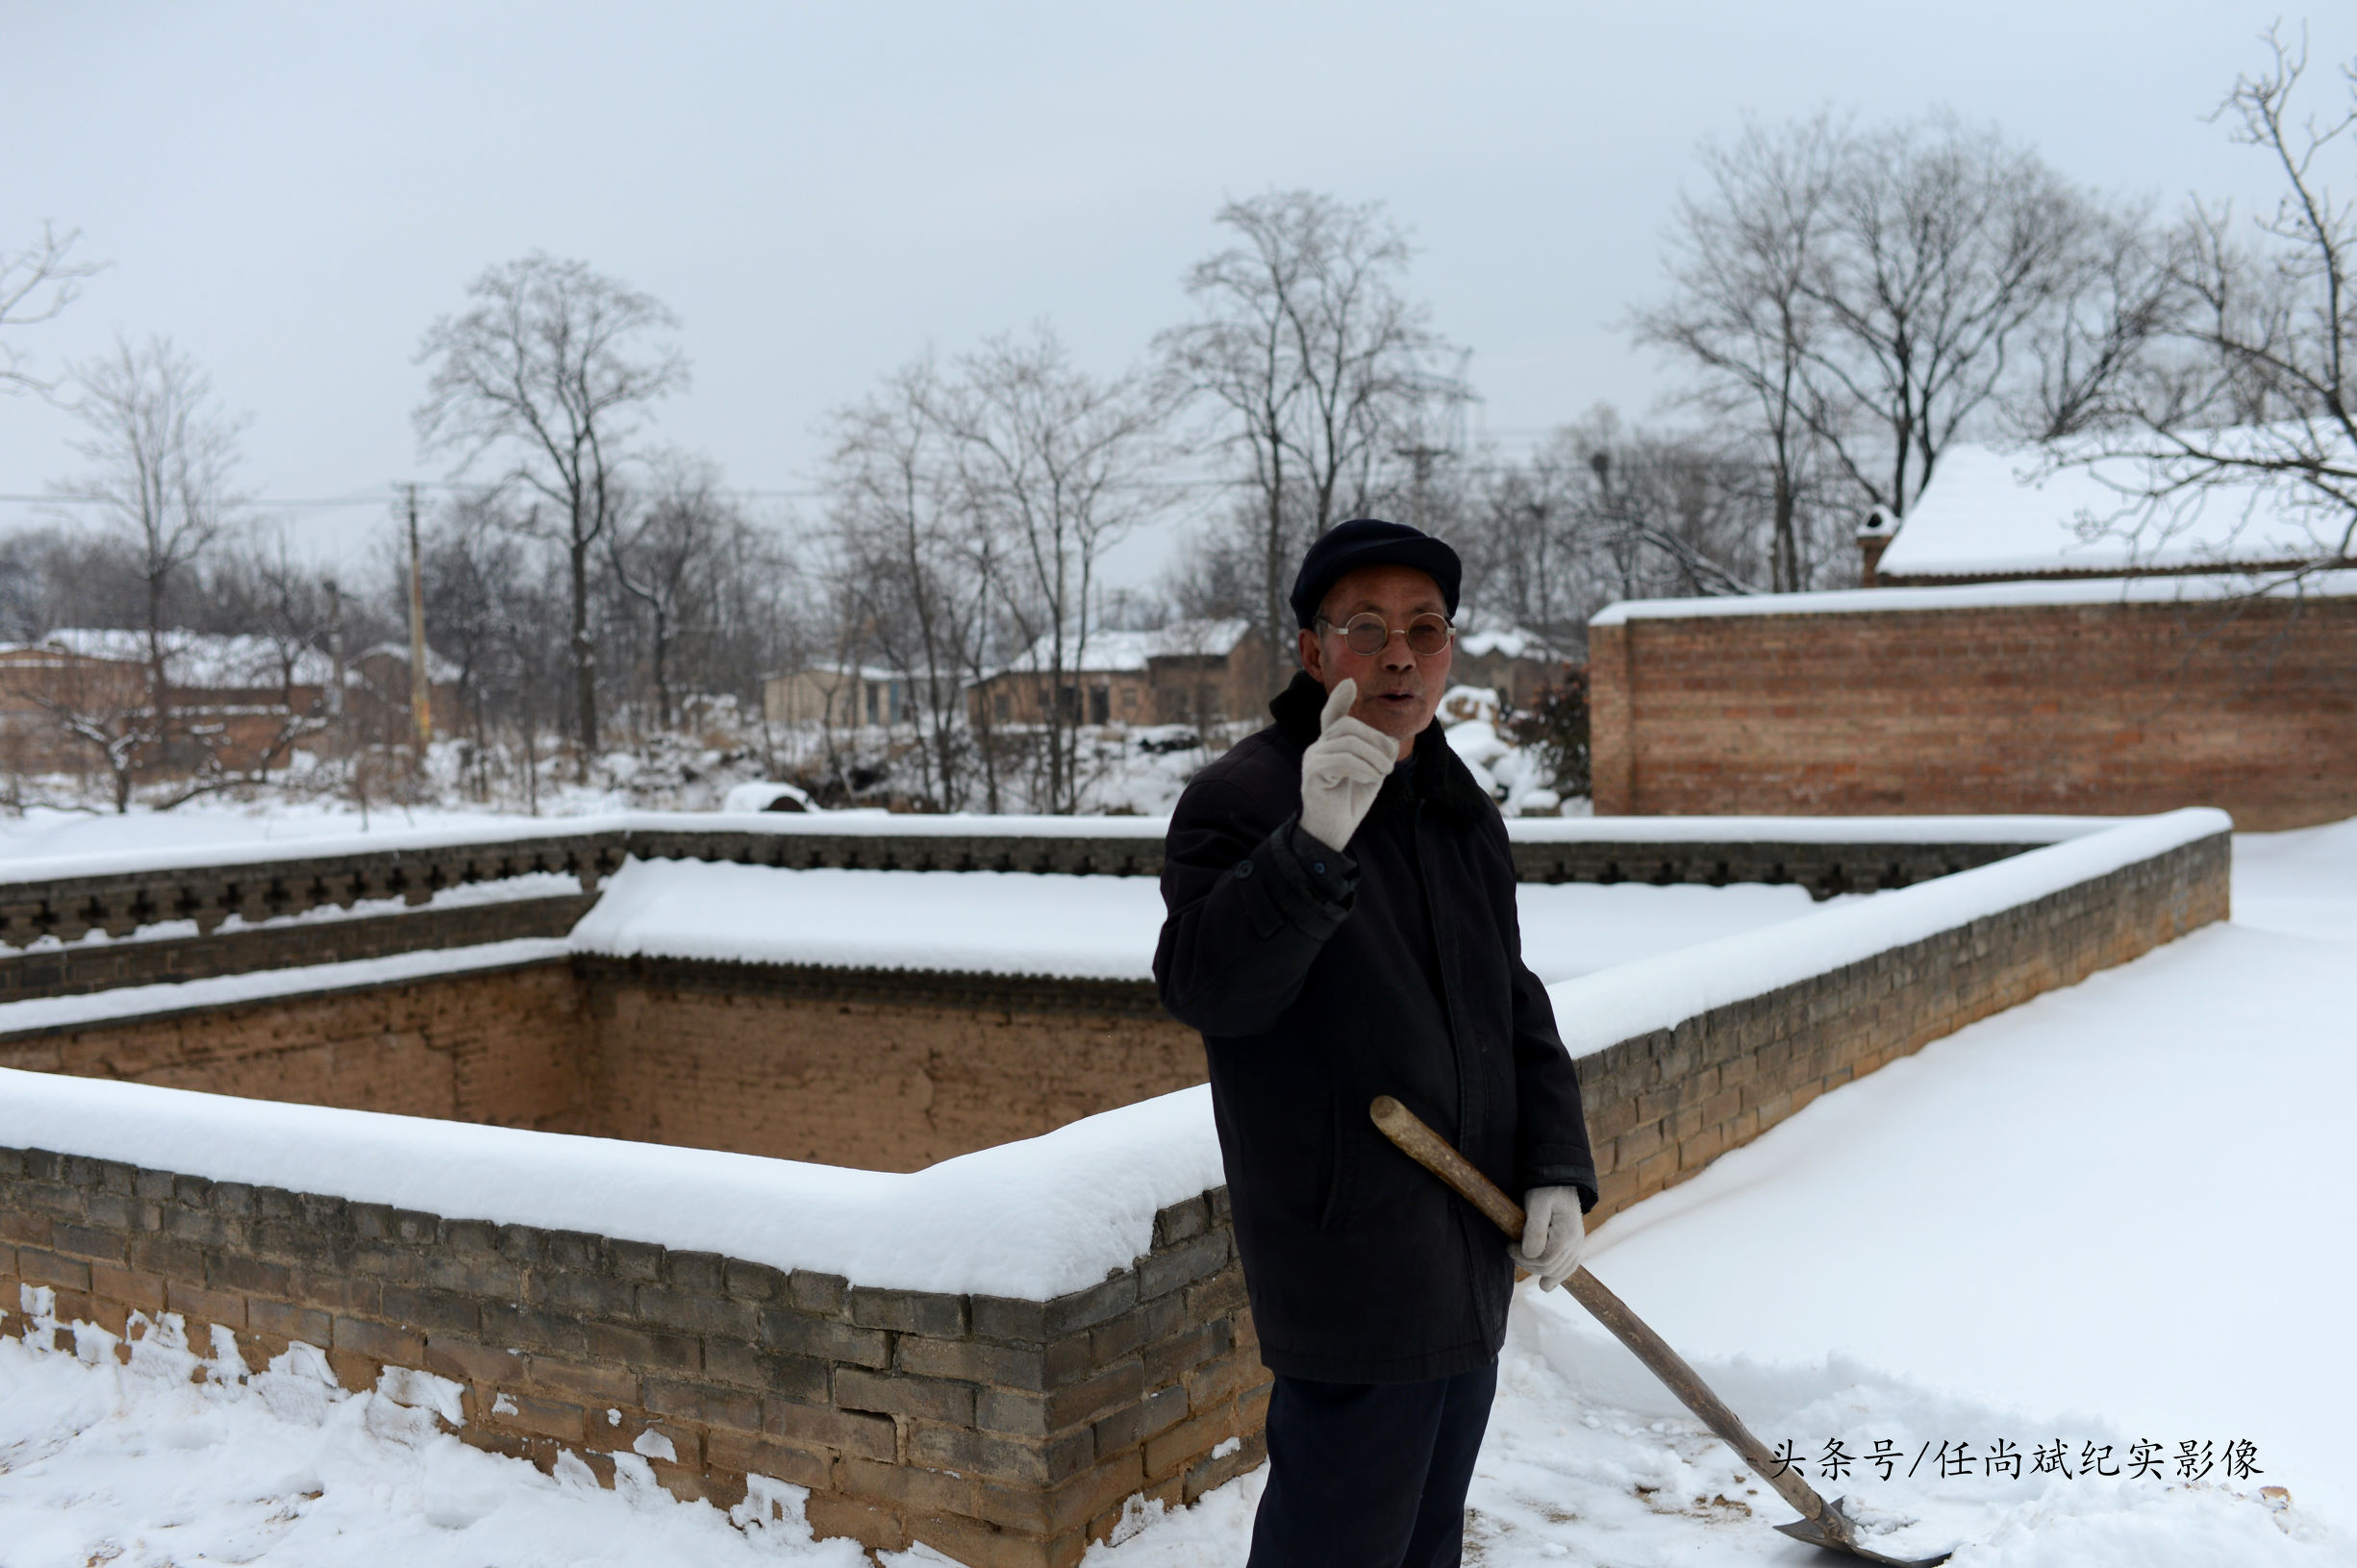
{"points": [[1000, 1432], [124, 903], [2116, 708], [81, 970]]}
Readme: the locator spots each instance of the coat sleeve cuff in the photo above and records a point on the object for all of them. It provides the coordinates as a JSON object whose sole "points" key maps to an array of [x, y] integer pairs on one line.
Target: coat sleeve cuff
{"points": [[1308, 884], [1332, 875], [1581, 1177]]}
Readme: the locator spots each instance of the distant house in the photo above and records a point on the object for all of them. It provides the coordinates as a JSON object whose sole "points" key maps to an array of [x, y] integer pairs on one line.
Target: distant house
{"points": [[842, 696], [1200, 673], [237, 704], [1515, 663]]}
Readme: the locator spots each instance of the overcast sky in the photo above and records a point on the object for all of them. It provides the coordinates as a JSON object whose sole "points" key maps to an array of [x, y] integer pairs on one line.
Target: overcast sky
{"points": [[292, 192]]}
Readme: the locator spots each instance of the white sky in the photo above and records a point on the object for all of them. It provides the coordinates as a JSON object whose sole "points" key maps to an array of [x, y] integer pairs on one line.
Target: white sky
{"points": [[293, 192]]}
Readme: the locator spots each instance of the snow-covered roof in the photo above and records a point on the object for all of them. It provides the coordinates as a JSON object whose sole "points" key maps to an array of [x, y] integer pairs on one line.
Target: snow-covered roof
{"points": [[1995, 513], [1511, 641], [833, 674], [1109, 652], [439, 670], [197, 660]]}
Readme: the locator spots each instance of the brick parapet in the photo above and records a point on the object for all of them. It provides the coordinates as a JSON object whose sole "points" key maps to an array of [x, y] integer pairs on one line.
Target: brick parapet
{"points": [[126, 904], [996, 1429], [85, 967]]}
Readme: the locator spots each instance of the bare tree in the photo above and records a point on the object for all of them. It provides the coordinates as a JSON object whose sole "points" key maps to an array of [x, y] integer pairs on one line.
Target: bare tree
{"points": [[1050, 461], [2101, 337], [36, 283], [1602, 510], [1321, 368], [163, 455], [547, 366], [1948, 248], [1854, 301], [1742, 263], [663, 553], [2254, 380], [913, 562]]}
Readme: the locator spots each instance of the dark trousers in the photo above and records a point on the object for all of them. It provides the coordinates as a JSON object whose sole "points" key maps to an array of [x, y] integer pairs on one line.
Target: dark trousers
{"points": [[1370, 1475]]}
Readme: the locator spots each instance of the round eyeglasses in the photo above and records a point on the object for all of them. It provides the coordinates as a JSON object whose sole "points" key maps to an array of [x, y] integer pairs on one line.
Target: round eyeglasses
{"points": [[1367, 633]]}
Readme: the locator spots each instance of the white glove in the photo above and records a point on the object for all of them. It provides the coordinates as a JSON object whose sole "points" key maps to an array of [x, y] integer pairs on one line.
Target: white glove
{"points": [[1554, 1236], [1341, 770]]}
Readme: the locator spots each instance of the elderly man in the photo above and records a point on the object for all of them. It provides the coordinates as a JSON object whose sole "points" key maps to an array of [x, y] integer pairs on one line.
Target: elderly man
{"points": [[1341, 924]]}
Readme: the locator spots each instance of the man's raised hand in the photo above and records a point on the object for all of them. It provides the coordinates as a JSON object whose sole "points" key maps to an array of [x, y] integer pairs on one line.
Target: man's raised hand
{"points": [[1341, 770]]}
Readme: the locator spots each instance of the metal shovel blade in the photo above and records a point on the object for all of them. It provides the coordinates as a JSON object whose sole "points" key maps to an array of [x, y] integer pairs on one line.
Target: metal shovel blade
{"points": [[1815, 1533]]}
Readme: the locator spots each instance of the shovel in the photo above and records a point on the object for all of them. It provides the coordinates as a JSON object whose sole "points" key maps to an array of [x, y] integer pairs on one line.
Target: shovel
{"points": [[1820, 1524]]}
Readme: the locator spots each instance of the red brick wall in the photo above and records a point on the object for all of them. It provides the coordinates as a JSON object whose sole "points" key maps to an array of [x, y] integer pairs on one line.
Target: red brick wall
{"points": [[2112, 709]]}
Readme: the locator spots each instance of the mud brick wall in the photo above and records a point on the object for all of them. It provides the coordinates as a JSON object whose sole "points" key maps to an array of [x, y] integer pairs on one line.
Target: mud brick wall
{"points": [[2119, 708], [1004, 1432], [1663, 1105], [889, 1071], [499, 1046]]}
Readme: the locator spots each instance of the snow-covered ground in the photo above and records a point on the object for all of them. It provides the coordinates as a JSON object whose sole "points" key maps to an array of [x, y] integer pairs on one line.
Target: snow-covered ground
{"points": [[2112, 1215]]}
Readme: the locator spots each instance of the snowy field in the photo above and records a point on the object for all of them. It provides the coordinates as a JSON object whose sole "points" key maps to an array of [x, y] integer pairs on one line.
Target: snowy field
{"points": [[2114, 1215]]}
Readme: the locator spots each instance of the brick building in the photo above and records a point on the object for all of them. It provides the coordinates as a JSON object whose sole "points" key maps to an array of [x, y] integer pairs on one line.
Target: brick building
{"points": [[2046, 653], [1191, 672], [235, 703], [1516, 664]]}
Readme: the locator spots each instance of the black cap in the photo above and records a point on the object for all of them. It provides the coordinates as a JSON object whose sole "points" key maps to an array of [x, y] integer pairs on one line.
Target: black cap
{"points": [[1368, 541]]}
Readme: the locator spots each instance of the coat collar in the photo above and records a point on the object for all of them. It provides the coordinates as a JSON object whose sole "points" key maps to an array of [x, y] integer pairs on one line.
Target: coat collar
{"points": [[1436, 773]]}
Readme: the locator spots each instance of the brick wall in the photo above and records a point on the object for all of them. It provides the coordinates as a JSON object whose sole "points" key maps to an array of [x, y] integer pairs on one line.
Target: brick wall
{"points": [[880, 1070], [1002, 1431], [1663, 1105], [793, 1064], [2113, 708], [499, 1046]]}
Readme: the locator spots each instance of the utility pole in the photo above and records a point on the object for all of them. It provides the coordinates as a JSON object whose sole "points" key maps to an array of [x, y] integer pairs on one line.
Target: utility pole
{"points": [[335, 644], [421, 690], [1423, 457], [1625, 550]]}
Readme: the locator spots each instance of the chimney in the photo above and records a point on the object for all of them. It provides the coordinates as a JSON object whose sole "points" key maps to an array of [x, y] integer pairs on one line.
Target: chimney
{"points": [[1874, 536]]}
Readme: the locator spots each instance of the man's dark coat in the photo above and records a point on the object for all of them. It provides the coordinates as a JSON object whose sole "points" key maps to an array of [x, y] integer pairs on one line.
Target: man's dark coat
{"points": [[1321, 981]]}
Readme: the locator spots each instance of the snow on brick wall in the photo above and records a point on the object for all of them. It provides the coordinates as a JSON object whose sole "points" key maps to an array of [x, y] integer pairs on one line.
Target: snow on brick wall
{"points": [[2100, 706], [993, 1355], [999, 1431]]}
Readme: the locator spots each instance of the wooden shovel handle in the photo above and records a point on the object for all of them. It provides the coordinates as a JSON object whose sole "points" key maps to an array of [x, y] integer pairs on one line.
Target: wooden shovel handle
{"points": [[1428, 1149]]}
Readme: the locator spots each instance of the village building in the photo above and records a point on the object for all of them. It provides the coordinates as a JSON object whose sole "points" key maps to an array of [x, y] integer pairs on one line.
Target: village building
{"points": [[1516, 664], [1202, 673], [81, 700], [839, 697], [2034, 640]]}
